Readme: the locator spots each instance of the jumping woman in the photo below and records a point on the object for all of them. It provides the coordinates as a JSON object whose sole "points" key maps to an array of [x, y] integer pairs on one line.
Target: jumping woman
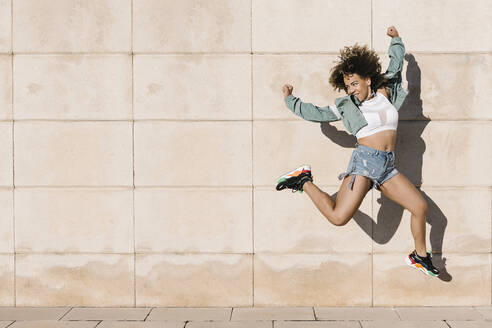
{"points": [[370, 112]]}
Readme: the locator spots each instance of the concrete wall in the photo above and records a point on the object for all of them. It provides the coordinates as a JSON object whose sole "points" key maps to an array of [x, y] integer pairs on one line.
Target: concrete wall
{"points": [[142, 140]]}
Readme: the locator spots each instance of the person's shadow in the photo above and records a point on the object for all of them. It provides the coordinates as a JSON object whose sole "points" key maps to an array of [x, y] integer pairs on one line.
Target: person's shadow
{"points": [[409, 151]]}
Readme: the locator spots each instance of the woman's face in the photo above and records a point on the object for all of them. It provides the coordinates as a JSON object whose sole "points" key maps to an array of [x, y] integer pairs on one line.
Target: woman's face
{"points": [[357, 86]]}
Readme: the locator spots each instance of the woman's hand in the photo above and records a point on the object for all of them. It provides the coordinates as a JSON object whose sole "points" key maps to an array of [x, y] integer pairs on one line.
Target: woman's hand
{"points": [[392, 31], [287, 90]]}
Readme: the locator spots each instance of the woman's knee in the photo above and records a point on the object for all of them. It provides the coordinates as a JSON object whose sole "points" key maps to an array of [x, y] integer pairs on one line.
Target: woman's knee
{"points": [[338, 219], [342, 222]]}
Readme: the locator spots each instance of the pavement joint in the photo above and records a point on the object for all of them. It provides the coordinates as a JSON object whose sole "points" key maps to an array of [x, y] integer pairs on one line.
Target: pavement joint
{"points": [[65, 314]]}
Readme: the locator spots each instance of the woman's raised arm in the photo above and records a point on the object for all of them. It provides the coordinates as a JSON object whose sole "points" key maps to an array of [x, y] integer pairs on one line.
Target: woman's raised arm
{"points": [[309, 111], [396, 52]]}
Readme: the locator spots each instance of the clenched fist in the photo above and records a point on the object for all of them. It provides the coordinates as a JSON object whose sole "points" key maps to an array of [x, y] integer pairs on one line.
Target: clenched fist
{"points": [[392, 31], [287, 90]]}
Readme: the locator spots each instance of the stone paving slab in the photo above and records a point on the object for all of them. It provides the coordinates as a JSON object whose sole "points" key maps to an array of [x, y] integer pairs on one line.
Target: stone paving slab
{"points": [[469, 324], [355, 313], [403, 324], [32, 313], [247, 317], [140, 324], [189, 314], [107, 314], [316, 324], [272, 313], [438, 313], [54, 324], [485, 311], [237, 324]]}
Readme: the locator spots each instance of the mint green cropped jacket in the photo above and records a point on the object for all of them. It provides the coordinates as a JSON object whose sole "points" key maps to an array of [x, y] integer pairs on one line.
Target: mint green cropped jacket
{"points": [[347, 106]]}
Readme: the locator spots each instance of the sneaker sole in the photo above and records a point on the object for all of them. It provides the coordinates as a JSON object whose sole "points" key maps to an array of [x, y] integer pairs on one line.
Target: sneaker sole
{"points": [[418, 267], [294, 173]]}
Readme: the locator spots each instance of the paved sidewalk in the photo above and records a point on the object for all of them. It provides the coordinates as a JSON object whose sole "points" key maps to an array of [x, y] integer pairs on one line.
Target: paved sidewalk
{"points": [[247, 317]]}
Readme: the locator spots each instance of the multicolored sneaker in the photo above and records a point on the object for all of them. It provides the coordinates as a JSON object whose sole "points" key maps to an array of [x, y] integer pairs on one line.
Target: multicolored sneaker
{"points": [[295, 179], [423, 264]]}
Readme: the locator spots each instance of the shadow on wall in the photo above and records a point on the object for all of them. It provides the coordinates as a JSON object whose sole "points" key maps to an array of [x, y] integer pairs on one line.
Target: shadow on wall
{"points": [[409, 153]]}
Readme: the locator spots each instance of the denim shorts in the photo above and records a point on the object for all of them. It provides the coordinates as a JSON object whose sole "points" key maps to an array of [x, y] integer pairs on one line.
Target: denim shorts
{"points": [[377, 165]]}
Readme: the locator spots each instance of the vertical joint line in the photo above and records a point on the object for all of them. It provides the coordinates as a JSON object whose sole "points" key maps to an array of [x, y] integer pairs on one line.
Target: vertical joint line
{"points": [[251, 27], [372, 47], [13, 161], [12, 27], [252, 165], [133, 162], [252, 192]]}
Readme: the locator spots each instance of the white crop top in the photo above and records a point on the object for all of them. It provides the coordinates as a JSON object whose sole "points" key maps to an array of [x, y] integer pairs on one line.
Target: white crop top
{"points": [[380, 115]]}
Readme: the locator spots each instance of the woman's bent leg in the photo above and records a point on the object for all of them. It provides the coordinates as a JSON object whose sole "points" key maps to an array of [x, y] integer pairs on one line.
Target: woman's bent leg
{"points": [[347, 203]]}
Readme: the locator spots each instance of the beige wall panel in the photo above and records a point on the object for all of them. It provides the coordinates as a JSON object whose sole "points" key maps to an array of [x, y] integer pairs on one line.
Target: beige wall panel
{"points": [[314, 25], [6, 221], [194, 280], [72, 25], [74, 280], [434, 26], [193, 220], [5, 86], [203, 87], [5, 26], [466, 282], [459, 222], [6, 279], [308, 74], [192, 25], [192, 153], [74, 220], [446, 86], [322, 278], [73, 153], [445, 153], [281, 146], [73, 87], [213, 132], [6, 166], [290, 223]]}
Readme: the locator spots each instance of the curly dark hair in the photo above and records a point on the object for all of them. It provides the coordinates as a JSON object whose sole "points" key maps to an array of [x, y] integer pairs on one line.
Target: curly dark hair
{"points": [[360, 60]]}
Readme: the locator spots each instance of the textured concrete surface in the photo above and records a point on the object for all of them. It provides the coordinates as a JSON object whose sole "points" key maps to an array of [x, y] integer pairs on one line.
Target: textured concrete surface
{"points": [[142, 140]]}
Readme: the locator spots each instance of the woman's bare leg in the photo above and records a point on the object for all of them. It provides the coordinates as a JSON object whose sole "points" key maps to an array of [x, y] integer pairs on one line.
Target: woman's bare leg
{"points": [[400, 190], [348, 201]]}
